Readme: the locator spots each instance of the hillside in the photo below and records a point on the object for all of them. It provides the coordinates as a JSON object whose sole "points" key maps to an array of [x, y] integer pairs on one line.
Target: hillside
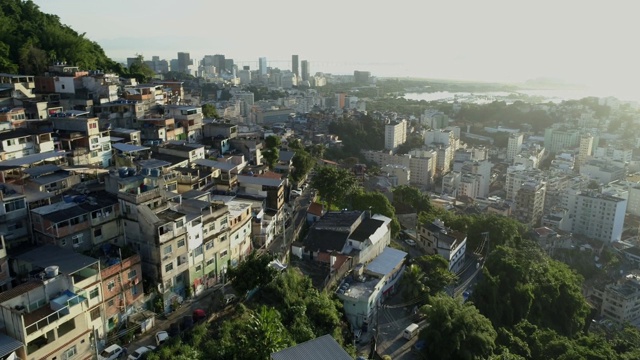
{"points": [[30, 40]]}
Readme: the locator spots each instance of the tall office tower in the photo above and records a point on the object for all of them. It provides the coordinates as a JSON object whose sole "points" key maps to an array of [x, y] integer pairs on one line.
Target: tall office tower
{"points": [[294, 65], [513, 146], [395, 133], [228, 65], [262, 65], [219, 63], [305, 70], [184, 60], [361, 77]]}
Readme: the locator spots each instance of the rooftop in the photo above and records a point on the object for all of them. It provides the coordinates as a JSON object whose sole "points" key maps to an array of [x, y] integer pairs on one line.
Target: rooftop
{"points": [[366, 228], [215, 164], [68, 261], [321, 348], [129, 147], [387, 261], [265, 181], [337, 219]]}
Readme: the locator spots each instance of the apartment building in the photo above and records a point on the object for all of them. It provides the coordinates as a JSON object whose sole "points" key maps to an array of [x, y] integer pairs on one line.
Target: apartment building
{"points": [[434, 238], [558, 139], [84, 141], [621, 301], [604, 171], [191, 152], [157, 130], [49, 313], [518, 175], [529, 203], [21, 142], [120, 113], [481, 171], [585, 149], [514, 146], [395, 133], [78, 223], [190, 118], [15, 88], [595, 215]]}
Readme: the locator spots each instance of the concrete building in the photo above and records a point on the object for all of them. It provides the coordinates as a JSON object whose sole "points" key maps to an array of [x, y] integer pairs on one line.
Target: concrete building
{"points": [[621, 301], [529, 203], [82, 138], [558, 139], [262, 66], [603, 171], [375, 281], [17, 143], [514, 146], [184, 61], [586, 148], [295, 65], [395, 134], [421, 164], [595, 215], [435, 238], [305, 70]]}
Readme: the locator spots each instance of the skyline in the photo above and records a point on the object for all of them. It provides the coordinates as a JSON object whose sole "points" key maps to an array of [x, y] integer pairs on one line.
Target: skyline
{"points": [[497, 40]]}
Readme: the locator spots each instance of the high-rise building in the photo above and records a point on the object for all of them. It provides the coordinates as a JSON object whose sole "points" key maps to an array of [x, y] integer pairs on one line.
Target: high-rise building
{"points": [[556, 140], [514, 146], [361, 77], [395, 133], [228, 65], [262, 65], [294, 65], [597, 216], [305, 70], [184, 61], [530, 203], [586, 148]]}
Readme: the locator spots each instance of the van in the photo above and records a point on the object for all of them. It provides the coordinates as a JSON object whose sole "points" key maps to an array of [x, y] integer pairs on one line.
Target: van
{"points": [[410, 331]]}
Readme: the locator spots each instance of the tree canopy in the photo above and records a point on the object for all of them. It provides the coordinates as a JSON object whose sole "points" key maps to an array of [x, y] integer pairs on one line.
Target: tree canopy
{"points": [[209, 111], [251, 273], [334, 185], [31, 40]]}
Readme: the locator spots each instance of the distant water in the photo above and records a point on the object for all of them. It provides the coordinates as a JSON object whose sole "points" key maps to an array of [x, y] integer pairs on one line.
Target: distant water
{"points": [[553, 95]]}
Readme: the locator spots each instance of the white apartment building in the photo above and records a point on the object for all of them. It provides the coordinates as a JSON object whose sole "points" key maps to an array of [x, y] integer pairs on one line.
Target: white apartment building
{"points": [[482, 168], [514, 146], [421, 163], [435, 238], [586, 148], [613, 154], [518, 175], [621, 301], [402, 174], [633, 207], [594, 215], [395, 133], [604, 171]]}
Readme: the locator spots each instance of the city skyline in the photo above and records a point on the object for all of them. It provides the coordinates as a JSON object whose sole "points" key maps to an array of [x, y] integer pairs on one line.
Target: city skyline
{"points": [[489, 41]]}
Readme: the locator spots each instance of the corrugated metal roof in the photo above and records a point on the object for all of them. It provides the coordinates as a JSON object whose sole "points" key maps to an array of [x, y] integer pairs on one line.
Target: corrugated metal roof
{"points": [[321, 348], [387, 261], [128, 147], [28, 160], [68, 261]]}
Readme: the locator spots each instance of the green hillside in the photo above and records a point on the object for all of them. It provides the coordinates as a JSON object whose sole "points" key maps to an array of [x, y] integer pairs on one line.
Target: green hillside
{"points": [[31, 40]]}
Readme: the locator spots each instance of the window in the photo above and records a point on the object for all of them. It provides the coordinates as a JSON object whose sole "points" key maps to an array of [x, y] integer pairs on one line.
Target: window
{"points": [[92, 125], [167, 250], [180, 223], [14, 205], [210, 262], [197, 251], [134, 290], [94, 293], [181, 243], [63, 242], [110, 303], [198, 268], [209, 245], [168, 267], [97, 232], [111, 285], [77, 239], [95, 314], [132, 274], [223, 253], [70, 352]]}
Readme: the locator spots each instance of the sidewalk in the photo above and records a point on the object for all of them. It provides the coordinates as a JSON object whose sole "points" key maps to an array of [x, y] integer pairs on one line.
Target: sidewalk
{"points": [[202, 301]]}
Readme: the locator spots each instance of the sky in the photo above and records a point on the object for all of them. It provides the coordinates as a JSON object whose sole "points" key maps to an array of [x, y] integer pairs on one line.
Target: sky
{"points": [[591, 43]]}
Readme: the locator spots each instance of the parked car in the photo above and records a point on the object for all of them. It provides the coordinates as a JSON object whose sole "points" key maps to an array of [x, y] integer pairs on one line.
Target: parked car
{"points": [[410, 242], [296, 192], [112, 352], [161, 337], [136, 355]]}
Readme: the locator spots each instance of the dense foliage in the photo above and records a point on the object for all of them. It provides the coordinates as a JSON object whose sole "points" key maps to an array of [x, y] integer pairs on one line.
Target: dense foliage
{"points": [[357, 134], [31, 40]]}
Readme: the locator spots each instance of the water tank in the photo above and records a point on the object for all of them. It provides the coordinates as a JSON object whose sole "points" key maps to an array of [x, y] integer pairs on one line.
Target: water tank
{"points": [[123, 171], [132, 171], [51, 271]]}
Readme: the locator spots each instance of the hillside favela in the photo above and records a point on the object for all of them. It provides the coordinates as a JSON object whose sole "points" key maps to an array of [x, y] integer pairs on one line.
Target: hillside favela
{"points": [[226, 203]]}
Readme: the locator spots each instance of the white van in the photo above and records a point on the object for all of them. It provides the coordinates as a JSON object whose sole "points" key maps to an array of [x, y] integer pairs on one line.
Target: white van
{"points": [[410, 331]]}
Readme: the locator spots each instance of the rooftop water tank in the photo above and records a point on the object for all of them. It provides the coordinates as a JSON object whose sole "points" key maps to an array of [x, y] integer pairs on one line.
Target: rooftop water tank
{"points": [[51, 271]]}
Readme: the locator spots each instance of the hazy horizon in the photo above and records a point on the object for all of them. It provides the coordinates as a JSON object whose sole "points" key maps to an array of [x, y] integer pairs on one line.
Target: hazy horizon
{"points": [[495, 41]]}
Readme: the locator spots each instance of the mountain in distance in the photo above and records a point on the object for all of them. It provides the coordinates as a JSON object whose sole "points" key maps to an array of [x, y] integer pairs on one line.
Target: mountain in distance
{"points": [[31, 40], [544, 83]]}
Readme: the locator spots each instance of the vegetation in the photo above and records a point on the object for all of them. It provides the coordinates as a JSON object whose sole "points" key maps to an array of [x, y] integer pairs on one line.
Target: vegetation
{"points": [[31, 40], [334, 185], [362, 133], [140, 71], [209, 111], [252, 273], [303, 160], [272, 152]]}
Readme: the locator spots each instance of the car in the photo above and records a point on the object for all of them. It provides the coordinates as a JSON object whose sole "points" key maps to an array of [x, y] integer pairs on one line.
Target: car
{"points": [[161, 337], [112, 352], [136, 355], [410, 242], [296, 192]]}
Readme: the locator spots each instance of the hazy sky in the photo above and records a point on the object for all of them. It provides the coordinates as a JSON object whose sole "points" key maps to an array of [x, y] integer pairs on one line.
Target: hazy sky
{"points": [[590, 42]]}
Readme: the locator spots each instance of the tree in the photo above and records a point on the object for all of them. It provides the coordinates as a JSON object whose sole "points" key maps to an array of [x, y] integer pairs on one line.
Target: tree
{"points": [[437, 274], [413, 285], [272, 152], [253, 272], [302, 164], [378, 204], [334, 185], [412, 197], [457, 330], [209, 111]]}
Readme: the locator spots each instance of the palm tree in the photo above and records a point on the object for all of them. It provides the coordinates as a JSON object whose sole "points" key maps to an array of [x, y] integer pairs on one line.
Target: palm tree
{"points": [[413, 284]]}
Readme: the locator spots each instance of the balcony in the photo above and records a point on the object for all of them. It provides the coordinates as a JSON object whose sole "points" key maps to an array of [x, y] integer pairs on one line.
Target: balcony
{"points": [[136, 197], [61, 309], [188, 179]]}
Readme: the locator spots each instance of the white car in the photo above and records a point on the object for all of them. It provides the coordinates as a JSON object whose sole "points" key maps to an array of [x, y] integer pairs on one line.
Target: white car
{"points": [[410, 242], [161, 337], [296, 192], [139, 352], [112, 352]]}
